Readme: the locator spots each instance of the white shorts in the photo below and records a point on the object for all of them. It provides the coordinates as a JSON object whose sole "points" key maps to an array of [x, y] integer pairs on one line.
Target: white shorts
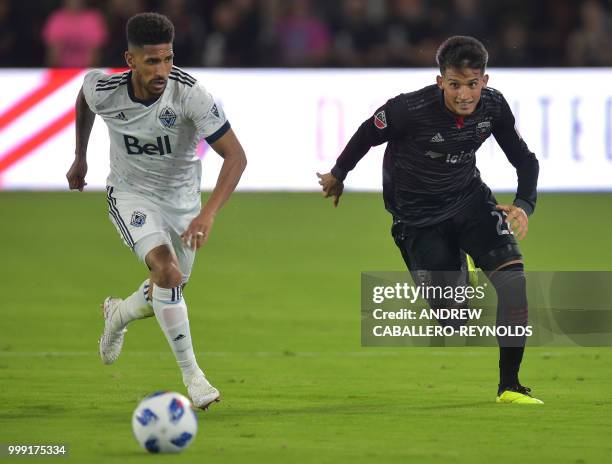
{"points": [[144, 225]]}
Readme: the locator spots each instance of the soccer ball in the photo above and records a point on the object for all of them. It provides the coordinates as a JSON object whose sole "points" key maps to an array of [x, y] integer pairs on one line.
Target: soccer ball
{"points": [[164, 422]]}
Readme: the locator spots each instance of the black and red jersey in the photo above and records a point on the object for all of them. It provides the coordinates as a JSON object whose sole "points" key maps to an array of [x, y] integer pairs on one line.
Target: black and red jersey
{"points": [[429, 167]]}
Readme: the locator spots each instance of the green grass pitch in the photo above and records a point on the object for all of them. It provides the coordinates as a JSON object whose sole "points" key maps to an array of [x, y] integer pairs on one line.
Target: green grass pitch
{"points": [[274, 308]]}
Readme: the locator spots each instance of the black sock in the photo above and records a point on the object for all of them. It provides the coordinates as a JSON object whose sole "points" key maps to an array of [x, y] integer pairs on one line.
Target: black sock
{"points": [[510, 358], [512, 311]]}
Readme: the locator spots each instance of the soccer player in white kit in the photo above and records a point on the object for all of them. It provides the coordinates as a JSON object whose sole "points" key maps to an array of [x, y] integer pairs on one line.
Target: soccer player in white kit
{"points": [[156, 114]]}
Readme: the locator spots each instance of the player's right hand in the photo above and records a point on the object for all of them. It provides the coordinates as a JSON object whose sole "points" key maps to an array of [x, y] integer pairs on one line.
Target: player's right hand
{"points": [[516, 218], [332, 187], [198, 231], [76, 175]]}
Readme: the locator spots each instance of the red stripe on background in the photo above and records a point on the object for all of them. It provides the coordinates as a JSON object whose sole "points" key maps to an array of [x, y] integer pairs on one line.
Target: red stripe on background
{"points": [[37, 139], [54, 79]]}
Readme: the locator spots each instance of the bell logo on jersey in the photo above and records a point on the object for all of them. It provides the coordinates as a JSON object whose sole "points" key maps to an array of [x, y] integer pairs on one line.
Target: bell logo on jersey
{"points": [[133, 146]]}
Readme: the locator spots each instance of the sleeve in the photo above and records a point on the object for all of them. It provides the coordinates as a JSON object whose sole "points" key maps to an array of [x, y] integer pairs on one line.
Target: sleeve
{"points": [[387, 123], [207, 115], [89, 88], [519, 155]]}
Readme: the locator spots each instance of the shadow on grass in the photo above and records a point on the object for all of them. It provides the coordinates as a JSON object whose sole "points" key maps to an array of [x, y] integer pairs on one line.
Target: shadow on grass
{"points": [[33, 411], [332, 409]]}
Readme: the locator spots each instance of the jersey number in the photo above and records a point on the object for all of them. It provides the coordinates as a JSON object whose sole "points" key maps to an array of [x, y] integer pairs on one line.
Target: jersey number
{"points": [[502, 227]]}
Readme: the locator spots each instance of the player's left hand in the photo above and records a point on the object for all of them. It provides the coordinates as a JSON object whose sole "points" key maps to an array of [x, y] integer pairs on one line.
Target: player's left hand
{"points": [[198, 231], [516, 218]]}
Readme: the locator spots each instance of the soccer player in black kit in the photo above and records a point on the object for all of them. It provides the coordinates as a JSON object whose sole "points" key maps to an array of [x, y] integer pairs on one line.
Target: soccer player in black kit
{"points": [[440, 206]]}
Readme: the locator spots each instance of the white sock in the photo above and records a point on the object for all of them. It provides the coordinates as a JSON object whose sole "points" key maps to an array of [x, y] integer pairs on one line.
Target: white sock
{"points": [[135, 306], [171, 313]]}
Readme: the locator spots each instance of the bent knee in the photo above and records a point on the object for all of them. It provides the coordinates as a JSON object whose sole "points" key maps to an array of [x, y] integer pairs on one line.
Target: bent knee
{"points": [[168, 275]]}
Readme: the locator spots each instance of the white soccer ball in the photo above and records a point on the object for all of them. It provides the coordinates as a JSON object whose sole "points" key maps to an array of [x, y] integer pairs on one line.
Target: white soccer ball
{"points": [[164, 422]]}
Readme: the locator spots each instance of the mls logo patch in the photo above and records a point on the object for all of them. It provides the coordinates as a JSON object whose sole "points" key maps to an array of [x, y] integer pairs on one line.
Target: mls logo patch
{"points": [[380, 119], [138, 219], [167, 117]]}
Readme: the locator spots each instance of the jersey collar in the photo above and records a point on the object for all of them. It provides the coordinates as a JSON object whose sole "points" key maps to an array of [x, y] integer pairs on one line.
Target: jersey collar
{"points": [[133, 97]]}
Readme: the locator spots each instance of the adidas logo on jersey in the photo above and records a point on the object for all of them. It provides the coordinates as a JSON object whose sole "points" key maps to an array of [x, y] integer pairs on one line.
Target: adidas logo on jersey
{"points": [[437, 138], [120, 116]]}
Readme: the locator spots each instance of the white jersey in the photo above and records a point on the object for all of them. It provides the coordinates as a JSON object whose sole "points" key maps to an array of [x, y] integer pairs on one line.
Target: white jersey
{"points": [[153, 143]]}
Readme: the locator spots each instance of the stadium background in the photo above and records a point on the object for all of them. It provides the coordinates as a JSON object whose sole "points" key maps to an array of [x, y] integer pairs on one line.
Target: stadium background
{"points": [[274, 298]]}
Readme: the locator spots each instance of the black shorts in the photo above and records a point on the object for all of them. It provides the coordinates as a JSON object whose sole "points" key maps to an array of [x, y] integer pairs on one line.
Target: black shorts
{"points": [[476, 230]]}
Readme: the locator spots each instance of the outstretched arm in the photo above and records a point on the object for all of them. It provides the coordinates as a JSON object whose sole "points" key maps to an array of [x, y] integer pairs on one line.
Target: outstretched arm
{"points": [[234, 163], [84, 122], [374, 131], [527, 170]]}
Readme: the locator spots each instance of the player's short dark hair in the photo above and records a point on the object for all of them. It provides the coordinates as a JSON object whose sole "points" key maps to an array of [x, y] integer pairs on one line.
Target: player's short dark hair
{"points": [[462, 51], [149, 29]]}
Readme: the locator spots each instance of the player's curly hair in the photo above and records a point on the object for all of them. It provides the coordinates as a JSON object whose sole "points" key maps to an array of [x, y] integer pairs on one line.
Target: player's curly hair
{"points": [[149, 29], [462, 51]]}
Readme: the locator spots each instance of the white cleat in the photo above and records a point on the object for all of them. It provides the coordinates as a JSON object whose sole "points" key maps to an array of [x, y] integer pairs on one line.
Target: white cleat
{"points": [[111, 340], [202, 393]]}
